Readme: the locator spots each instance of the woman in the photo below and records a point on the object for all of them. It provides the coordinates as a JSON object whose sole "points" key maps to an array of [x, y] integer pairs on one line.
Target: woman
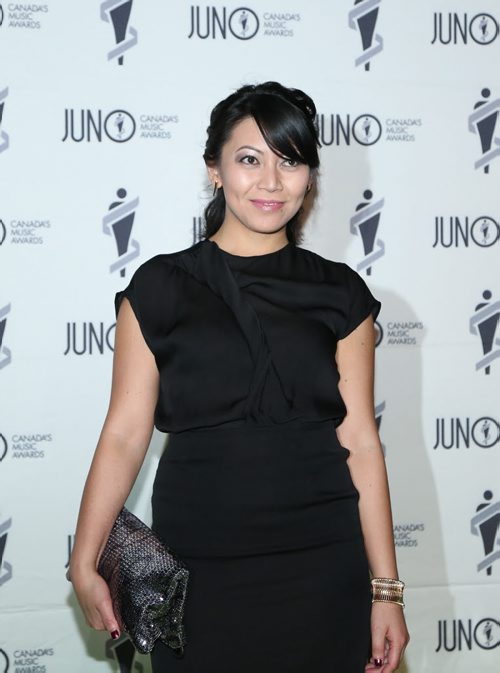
{"points": [[256, 356]]}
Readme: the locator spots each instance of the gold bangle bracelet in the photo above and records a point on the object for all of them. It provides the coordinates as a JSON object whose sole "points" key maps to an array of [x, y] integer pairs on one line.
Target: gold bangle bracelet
{"points": [[397, 601], [387, 590], [387, 595], [387, 582]]}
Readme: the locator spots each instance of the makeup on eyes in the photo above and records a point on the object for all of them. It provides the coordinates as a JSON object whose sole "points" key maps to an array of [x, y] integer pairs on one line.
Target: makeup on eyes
{"points": [[249, 147], [246, 156]]}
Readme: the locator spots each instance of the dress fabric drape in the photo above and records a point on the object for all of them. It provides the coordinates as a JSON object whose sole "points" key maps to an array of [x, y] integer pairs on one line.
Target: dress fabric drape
{"points": [[253, 489]]}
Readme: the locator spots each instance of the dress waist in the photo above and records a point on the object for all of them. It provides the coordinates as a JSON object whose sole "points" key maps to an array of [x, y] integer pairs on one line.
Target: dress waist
{"points": [[255, 488]]}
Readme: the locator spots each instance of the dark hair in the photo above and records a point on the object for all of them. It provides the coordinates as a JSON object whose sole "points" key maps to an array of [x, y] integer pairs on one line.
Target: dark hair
{"points": [[287, 120]]}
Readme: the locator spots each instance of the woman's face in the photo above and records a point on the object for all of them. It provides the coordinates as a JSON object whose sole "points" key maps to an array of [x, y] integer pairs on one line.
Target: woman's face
{"points": [[262, 190]]}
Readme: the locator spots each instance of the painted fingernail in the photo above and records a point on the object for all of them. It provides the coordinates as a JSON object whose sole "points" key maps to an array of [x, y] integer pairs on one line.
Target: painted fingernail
{"points": [[378, 662], [115, 634]]}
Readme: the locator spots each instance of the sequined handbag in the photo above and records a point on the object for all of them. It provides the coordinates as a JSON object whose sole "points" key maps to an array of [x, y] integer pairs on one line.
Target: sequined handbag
{"points": [[148, 584]]}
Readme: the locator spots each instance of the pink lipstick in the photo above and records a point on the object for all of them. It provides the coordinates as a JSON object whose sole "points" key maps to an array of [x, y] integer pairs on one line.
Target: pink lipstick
{"points": [[268, 206]]}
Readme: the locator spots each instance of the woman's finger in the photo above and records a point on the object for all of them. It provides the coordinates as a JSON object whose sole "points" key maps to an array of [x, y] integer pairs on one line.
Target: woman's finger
{"points": [[108, 618], [378, 647], [394, 655]]}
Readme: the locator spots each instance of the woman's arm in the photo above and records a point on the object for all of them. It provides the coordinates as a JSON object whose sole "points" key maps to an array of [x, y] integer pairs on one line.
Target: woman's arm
{"points": [[358, 432], [118, 457]]}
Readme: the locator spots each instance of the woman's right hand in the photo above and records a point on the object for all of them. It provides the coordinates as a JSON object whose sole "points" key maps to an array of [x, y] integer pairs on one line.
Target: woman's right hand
{"points": [[94, 598], [118, 457]]}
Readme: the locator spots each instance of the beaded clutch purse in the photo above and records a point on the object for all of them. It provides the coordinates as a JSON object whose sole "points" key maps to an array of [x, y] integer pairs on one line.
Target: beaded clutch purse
{"points": [[148, 584]]}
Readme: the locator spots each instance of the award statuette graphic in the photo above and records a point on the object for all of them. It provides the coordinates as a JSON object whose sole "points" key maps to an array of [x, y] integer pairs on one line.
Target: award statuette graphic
{"points": [[5, 354], [123, 652], [485, 322], [363, 17], [70, 542], [486, 432], [243, 23], [118, 223], [5, 567], [117, 12], [484, 29], [365, 223], [4, 138], [486, 524], [119, 126], [367, 129], [483, 121], [379, 410], [485, 231], [487, 634], [118, 122]]}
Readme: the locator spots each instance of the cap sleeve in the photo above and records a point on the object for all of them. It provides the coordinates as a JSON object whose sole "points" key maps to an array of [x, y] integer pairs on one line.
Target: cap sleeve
{"points": [[133, 293], [129, 293], [361, 302]]}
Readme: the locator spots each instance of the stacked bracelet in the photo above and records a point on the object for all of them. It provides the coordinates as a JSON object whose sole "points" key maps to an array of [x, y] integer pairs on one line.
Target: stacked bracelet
{"points": [[387, 590]]}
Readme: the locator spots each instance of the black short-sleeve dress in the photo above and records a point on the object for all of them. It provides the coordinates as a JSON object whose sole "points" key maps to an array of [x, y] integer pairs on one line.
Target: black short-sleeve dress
{"points": [[253, 489]]}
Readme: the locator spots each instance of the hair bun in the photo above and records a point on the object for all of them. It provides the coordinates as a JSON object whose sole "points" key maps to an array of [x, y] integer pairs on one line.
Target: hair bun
{"points": [[305, 103], [294, 96]]}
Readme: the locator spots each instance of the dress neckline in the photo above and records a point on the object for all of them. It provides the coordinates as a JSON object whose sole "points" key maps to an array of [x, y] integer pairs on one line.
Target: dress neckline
{"points": [[249, 257]]}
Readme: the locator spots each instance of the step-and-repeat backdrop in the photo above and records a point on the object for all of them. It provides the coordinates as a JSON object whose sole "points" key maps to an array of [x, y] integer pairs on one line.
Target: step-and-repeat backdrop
{"points": [[103, 113]]}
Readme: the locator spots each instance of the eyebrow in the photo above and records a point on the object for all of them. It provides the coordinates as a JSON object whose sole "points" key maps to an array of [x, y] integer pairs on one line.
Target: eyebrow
{"points": [[249, 147]]}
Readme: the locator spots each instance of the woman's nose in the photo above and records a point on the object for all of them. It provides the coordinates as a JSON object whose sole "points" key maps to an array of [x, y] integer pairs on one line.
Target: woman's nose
{"points": [[270, 178]]}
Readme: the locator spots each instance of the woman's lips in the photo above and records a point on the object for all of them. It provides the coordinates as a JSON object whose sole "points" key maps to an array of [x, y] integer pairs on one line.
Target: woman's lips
{"points": [[269, 206]]}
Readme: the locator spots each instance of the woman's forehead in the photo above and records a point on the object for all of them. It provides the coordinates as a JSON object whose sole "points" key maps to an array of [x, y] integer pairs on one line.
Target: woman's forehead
{"points": [[246, 128]]}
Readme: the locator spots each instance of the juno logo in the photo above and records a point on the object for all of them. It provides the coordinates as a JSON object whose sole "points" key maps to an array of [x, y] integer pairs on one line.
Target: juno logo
{"points": [[212, 22]]}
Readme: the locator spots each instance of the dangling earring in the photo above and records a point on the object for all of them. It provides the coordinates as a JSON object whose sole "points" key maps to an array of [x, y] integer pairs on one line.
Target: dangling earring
{"points": [[215, 188]]}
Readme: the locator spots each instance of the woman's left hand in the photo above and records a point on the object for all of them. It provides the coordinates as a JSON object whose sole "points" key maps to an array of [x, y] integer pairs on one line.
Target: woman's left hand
{"points": [[389, 637]]}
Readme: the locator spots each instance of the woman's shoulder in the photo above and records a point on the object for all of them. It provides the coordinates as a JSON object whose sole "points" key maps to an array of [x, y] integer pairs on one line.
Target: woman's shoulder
{"points": [[154, 287], [348, 290], [329, 269], [162, 264]]}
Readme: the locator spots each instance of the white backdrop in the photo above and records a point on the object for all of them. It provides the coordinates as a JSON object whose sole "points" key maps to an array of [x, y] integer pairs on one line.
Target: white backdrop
{"points": [[408, 96]]}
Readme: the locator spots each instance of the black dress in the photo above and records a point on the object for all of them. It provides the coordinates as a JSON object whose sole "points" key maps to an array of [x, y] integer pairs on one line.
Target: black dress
{"points": [[253, 490]]}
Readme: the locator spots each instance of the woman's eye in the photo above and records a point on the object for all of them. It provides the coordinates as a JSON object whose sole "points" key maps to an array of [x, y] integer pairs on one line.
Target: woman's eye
{"points": [[291, 162], [249, 159]]}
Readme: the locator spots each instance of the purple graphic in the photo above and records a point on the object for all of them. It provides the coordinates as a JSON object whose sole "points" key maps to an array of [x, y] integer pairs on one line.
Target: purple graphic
{"points": [[365, 223], [5, 353], [483, 121], [117, 12], [118, 223], [363, 18], [123, 652], [485, 322], [5, 567], [4, 138], [486, 524]]}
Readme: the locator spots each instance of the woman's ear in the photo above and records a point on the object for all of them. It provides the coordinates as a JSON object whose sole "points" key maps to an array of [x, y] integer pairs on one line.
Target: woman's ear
{"points": [[213, 175], [313, 179]]}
